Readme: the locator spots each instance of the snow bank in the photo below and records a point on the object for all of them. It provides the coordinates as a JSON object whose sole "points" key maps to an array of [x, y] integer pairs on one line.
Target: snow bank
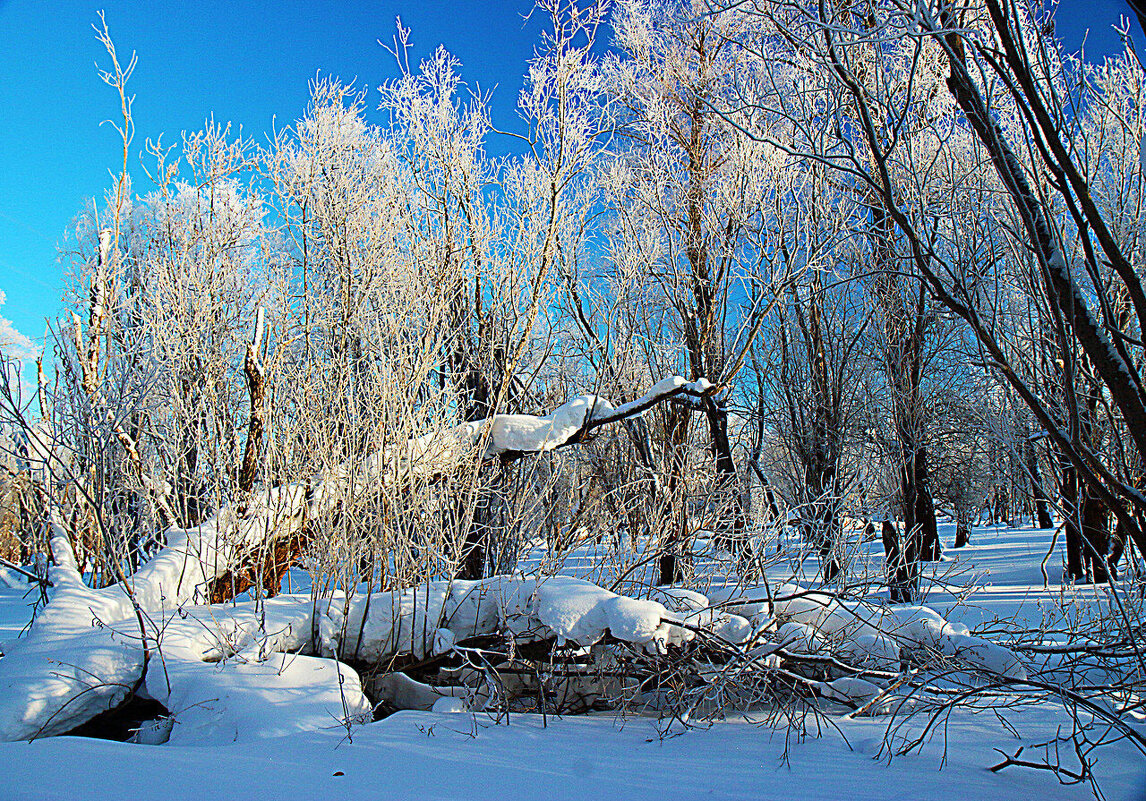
{"points": [[232, 673], [403, 692], [82, 657], [85, 654], [243, 671]]}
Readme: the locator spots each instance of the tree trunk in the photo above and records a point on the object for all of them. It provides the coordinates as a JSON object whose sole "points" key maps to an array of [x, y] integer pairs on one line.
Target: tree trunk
{"points": [[474, 387], [730, 517], [1069, 491], [962, 525], [898, 576], [1042, 508], [1096, 535], [921, 532], [673, 513], [1117, 547], [821, 523]]}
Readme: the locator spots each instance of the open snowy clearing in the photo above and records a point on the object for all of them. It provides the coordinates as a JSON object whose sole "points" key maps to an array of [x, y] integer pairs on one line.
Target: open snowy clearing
{"points": [[472, 755]]}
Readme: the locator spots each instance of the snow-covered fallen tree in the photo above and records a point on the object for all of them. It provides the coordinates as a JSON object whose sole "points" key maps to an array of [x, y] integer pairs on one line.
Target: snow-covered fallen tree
{"points": [[233, 671], [89, 649], [241, 671]]}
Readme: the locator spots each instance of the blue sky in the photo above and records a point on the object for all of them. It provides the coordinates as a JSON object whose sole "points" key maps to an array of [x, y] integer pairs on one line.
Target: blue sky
{"points": [[249, 63], [244, 62]]}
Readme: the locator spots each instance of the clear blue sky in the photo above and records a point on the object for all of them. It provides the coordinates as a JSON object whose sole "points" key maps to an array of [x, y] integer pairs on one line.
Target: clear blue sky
{"points": [[249, 63], [246, 62]]}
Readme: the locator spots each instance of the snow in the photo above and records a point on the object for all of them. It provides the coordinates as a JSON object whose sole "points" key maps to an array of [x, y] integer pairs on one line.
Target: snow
{"points": [[531, 434], [852, 690], [249, 697], [580, 612], [238, 671], [281, 695], [85, 654], [450, 705], [874, 636], [72, 664], [16, 605], [403, 692], [431, 617], [228, 674], [437, 756], [521, 432], [380, 625]]}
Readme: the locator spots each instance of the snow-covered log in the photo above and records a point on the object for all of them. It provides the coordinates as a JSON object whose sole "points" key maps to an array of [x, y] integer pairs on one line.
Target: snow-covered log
{"points": [[430, 618], [241, 671], [88, 649]]}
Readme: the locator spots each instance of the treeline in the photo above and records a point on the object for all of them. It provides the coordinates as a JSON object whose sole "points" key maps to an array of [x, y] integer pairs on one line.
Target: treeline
{"points": [[902, 240]]}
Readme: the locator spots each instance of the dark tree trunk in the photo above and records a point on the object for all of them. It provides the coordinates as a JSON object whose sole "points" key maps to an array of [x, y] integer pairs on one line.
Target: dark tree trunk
{"points": [[673, 514], [1042, 508], [1117, 547], [668, 569], [475, 388], [475, 543], [921, 529], [962, 526], [486, 521], [1087, 523], [1069, 496], [962, 534], [1096, 535], [730, 516], [898, 576], [1000, 503], [472, 565], [820, 521]]}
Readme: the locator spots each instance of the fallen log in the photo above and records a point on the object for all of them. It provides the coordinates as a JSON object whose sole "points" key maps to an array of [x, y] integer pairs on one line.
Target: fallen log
{"points": [[89, 650]]}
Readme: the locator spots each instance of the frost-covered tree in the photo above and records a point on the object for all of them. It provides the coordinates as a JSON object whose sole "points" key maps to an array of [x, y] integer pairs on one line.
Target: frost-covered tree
{"points": [[694, 188]]}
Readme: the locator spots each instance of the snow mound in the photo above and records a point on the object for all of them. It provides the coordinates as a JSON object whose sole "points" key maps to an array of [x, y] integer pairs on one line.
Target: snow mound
{"points": [[228, 674]]}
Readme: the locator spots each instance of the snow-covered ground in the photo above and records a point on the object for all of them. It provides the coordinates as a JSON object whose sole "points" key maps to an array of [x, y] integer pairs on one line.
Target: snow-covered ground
{"points": [[428, 755]]}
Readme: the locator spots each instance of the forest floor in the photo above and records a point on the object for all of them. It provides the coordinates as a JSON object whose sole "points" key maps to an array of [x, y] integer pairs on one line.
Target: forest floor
{"points": [[427, 755]]}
